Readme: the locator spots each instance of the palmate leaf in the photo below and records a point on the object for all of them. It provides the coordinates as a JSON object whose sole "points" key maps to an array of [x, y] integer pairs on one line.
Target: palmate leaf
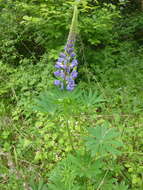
{"points": [[90, 98], [46, 103], [102, 140], [84, 166]]}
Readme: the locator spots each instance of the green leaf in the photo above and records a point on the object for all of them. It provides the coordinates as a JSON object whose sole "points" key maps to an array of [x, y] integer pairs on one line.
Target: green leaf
{"points": [[90, 98], [102, 140]]}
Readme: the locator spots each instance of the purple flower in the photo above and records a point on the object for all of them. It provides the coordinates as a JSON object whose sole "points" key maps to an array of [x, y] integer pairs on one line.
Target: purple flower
{"points": [[73, 54], [70, 50], [58, 65], [74, 63], [70, 45], [57, 73], [62, 55], [71, 84], [70, 88], [74, 74], [64, 66], [57, 82], [60, 59], [62, 74]]}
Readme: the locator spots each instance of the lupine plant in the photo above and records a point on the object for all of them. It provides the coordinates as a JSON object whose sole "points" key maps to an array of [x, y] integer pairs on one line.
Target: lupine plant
{"points": [[67, 101], [66, 74], [86, 167]]}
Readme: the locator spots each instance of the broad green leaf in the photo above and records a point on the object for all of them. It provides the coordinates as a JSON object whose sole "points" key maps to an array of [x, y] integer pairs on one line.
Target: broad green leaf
{"points": [[103, 140]]}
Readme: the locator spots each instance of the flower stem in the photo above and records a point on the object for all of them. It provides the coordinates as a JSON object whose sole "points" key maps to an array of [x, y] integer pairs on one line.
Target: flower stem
{"points": [[70, 136]]}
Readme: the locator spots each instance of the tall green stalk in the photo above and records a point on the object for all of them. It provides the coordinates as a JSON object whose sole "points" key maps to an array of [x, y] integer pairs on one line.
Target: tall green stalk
{"points": [[70, 136]]}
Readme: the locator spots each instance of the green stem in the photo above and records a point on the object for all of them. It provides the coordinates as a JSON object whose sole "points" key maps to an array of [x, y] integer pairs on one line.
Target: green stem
{"points": [[70, 137]]}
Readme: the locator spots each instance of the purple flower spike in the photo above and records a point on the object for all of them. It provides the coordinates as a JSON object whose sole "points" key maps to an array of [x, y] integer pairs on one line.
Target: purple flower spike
{"points": [[57, 82], [66, 67]]}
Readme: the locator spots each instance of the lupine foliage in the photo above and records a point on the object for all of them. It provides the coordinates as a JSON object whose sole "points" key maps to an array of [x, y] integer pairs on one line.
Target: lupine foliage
{"points": [[107, 96]]}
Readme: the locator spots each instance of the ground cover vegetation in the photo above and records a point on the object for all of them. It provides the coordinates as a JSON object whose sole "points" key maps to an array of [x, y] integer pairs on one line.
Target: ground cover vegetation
{"points": [[89, 136]]}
